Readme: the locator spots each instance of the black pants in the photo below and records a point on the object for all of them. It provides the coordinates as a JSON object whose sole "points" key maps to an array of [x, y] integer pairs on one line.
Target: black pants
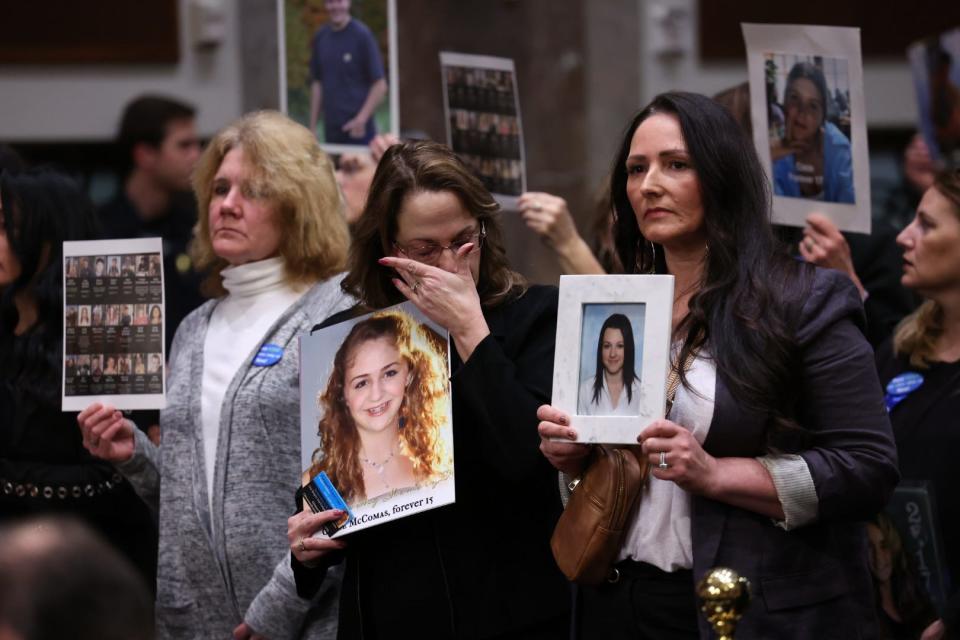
{"points": [[645, 603]]}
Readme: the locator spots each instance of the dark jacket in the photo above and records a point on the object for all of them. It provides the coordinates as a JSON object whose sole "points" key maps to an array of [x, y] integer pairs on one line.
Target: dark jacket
{"points": [[814, 581], [927, 431], [481, 567]]}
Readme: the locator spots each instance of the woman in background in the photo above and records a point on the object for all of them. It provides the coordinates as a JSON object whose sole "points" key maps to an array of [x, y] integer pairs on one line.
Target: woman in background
{"points": [[44, 468], [920, 368]]}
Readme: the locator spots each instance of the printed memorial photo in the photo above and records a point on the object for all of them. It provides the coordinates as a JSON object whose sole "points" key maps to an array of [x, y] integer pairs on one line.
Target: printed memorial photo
{"points": [[808, 110], [338, 73], [809, 122], [376, 414], [482, 109], [113, 331]]}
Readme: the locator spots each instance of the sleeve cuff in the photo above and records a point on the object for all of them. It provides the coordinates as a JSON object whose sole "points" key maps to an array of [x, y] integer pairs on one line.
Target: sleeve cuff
{"points": [[795, 489]]}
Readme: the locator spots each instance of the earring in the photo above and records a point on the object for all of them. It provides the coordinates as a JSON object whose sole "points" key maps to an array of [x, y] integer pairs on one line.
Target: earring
{"points": [[402, 422], [652, 267]]}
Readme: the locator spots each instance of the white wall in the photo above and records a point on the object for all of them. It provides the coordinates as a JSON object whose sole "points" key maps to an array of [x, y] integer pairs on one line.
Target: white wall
{"points": [[888, 87], [83, 102]]}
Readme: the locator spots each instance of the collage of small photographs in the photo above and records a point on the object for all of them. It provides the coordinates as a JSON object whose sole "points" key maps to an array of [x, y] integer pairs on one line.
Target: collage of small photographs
{"points": [[114, 325], [485, 127]]}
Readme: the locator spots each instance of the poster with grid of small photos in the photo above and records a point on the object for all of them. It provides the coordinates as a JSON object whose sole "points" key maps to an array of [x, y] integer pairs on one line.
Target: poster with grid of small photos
{"points": [[113, 329]]}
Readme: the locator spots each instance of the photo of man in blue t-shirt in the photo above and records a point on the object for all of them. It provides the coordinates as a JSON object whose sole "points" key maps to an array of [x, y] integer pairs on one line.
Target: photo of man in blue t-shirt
{"points": [[346, 77]]}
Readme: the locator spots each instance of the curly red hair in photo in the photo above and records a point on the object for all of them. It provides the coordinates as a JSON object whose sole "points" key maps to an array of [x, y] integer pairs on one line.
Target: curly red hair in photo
{"points": [[422, 414]]}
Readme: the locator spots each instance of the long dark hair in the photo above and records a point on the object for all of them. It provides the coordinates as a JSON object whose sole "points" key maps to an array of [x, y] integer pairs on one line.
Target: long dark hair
{"points": [[740, 308], [622, 323], [424, 166], [41, 209]]}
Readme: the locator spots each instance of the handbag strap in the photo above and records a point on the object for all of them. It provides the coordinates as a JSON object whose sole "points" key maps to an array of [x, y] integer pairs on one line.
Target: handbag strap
{"points": [[673, 379]]}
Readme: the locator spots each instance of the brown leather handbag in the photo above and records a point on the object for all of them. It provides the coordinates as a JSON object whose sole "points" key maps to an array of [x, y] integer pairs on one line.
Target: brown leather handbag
{"points": [[590, 531]]}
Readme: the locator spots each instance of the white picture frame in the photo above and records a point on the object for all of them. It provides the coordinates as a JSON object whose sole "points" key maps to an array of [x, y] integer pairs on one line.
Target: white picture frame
{"points": [[578, 341], [835, 51], [285, 22]]}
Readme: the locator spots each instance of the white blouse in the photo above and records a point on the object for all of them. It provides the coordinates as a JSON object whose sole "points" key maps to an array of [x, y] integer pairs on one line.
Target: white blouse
{"points": [[605, 406], [257, 295], [659, 533]]}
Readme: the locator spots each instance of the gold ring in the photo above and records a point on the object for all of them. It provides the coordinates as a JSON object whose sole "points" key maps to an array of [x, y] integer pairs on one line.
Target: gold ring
{"points": [[416, 285], [300, 545]]}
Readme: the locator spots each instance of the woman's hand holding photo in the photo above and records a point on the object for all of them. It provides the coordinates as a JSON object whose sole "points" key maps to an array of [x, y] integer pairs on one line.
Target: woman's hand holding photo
{"points": [[300, 530], [106, 433]]}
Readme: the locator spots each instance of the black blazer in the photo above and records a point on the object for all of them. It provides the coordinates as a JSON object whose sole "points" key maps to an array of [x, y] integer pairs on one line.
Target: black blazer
{"points": [[814, 581], [481, 567]]}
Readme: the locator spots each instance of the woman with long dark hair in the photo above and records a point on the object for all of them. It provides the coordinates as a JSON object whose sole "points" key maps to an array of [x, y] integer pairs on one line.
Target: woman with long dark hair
{"points": [[614, 390], [43, 465], [777, 446]]}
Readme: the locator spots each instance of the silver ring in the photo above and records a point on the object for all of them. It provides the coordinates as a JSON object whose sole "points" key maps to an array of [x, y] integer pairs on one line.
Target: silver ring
{"points": [[415, 286], [811, 243], [537, 206], [663, 461]]}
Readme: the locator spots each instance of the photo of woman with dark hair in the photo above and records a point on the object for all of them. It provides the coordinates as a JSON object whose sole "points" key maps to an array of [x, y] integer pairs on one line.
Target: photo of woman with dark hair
{"points": [[156, 315], [113, 270], [614, 390], [811, 156], [384, 409]]}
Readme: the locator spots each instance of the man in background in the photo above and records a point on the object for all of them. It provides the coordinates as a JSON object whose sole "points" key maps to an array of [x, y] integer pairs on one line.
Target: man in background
{"points": [[160, 148], [346, 77]]}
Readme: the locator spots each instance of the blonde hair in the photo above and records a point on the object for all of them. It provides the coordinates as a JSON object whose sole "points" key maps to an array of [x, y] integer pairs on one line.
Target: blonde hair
{"points": [[917, 334], [290, 171]]}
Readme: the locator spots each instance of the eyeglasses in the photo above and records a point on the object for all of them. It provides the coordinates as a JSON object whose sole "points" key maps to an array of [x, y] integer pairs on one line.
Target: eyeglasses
{"points": [[430, 252]]}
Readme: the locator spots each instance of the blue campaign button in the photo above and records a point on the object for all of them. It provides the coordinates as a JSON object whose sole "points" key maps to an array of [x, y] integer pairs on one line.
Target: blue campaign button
{"points": [[269, 354], [891, 401], [904, 384]]}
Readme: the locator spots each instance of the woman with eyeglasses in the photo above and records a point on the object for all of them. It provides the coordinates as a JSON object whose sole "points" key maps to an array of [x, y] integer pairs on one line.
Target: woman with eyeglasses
{"points": [[813, 160], [482, 567]]}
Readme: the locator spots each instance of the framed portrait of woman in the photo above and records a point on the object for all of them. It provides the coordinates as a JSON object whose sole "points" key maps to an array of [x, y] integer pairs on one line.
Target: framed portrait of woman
{"points": [[613, 351], [375, 411]]}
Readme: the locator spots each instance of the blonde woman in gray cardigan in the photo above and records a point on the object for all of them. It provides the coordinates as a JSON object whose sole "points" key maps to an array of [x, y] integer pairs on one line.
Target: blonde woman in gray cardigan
{"points": [[273, 239]]}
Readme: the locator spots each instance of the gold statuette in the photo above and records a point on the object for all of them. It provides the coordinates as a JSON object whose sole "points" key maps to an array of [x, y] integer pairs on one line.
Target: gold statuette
{"points": [[724, 594]]}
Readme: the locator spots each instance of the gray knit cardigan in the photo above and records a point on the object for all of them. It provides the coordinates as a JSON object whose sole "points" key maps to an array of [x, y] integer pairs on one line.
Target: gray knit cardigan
{"points": [[217, 569]]}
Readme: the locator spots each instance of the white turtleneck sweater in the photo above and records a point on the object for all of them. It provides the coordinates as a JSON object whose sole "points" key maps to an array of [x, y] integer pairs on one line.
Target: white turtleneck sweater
{"points": [[257, 295]]}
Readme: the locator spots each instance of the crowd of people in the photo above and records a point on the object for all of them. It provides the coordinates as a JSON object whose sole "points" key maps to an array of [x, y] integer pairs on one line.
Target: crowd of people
{"points": [[789, 432]]}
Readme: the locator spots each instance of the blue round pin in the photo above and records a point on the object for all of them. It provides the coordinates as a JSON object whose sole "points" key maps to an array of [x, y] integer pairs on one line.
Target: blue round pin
{"points": [[905, 383], [269, 354]]}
